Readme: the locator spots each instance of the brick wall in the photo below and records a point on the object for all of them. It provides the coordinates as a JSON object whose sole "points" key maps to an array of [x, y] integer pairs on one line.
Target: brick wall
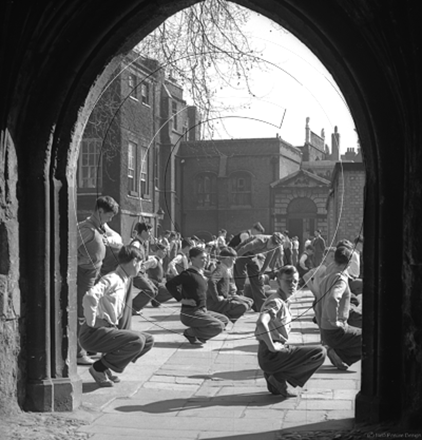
{"points": [[345, 202]]}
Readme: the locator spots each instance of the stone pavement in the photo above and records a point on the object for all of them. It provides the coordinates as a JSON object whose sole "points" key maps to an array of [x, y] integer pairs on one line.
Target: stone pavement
{"points": [[179, 391]]}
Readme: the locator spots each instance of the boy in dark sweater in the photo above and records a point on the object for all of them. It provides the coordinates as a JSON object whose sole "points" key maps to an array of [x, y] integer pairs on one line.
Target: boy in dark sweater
{"points": [[190, 288]]}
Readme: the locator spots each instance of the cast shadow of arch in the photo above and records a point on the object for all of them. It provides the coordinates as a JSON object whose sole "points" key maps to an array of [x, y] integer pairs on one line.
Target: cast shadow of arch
{"points": [[231, 375], [247, 348], [177, 405], [341, 428]]}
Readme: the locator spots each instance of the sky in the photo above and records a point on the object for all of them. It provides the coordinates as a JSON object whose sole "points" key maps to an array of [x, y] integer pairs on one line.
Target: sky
{"points": [[295, 85]]}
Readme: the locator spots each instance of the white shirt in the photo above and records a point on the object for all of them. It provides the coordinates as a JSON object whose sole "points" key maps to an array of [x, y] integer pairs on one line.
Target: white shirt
{"points": [[178, 264], [106, 300], [354, 267]]}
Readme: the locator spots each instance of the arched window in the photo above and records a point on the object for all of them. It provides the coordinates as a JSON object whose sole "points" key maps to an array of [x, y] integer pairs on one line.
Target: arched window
{"points": [[206, 189], [241, 189]]}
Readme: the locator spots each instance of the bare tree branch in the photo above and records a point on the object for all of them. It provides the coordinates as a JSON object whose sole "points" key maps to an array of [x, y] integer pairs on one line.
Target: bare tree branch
{"points": [[201, 45]]}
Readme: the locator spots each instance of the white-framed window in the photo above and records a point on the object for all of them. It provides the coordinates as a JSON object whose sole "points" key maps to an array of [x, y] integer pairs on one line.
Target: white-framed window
{"points": [[145, 92], [174, 114], [133, 86], [144, 172], [131, 167], [90, 166]]}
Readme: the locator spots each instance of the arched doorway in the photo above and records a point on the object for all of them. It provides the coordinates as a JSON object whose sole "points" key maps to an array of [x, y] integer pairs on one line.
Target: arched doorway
{"points": [[301, 218], [45, 111]]}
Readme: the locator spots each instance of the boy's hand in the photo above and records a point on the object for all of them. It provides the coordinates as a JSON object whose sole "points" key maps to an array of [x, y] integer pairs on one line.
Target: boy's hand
{"points": [[277, 346]]}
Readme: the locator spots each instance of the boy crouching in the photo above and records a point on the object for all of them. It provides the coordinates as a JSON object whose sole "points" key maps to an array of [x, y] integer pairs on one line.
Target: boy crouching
{"points": [[105, 306], [281, 362]]}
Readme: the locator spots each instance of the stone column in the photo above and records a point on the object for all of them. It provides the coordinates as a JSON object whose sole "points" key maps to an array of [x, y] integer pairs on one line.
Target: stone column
{"points": [[379, 397], [49, 290]]}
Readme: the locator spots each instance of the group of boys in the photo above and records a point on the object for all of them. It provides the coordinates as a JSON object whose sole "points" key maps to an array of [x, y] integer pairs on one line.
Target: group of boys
{"points": [[210, 299]]}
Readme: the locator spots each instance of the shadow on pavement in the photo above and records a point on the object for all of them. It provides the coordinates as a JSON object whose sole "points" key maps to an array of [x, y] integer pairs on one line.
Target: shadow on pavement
{"points": [[331, 369], [230, 375], [248, 348], [172, 317], [324, 430], [176, 405], [89, 387]]}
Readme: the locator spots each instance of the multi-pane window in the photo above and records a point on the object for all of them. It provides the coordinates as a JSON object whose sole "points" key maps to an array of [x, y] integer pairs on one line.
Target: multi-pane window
{"points": [[206, 189], [90, 164], [133, 86], [145, 93], [174, 114], [131, 167], [241, 189], [143, 174]]}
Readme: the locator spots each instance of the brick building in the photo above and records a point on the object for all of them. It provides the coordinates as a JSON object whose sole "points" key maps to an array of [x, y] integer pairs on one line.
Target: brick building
{"points": [[346, 201], [299, 204], [232, 183], [129, 144], [226, 183]]}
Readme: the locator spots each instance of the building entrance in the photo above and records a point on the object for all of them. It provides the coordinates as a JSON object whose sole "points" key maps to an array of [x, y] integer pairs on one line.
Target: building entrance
{"points": [[301, 215]]}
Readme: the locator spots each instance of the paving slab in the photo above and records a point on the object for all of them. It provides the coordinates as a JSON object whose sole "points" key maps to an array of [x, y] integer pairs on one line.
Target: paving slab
{"points": [[217, 391]]}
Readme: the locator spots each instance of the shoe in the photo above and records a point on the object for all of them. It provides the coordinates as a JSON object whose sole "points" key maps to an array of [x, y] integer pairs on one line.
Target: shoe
{"points": [[100, 377], [335, 359], [155, 303], [270, 388], [280, 387], [84, 360], [192, 339], [111, 376]]}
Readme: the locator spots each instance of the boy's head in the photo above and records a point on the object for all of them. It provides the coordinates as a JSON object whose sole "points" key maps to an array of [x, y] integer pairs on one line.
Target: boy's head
{"points": [[227, 256], [257, 228], [143, 230], [106, 208], [186, 245], [343, 255], [198, 257], [160, 250], [107, 204], [287, 280], [277, 239], [345, 243], [130, 258]]}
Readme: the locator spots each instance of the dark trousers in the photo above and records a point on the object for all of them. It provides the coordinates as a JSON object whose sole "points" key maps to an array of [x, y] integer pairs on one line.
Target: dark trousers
{"points": [[295, 363], [233, 308], [148, 291], [356, 286], [119, 347], [163, 294], [295, 256], [85, 280], [203, 324], [346, 341], [251, 267]]}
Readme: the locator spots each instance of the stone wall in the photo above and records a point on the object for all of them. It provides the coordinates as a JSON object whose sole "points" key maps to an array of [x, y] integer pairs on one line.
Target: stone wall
{"points": [[10, 298]]}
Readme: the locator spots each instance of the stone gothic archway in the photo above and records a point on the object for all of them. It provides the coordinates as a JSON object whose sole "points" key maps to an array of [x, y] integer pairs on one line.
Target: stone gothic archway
{"points": [[49, 83]]}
